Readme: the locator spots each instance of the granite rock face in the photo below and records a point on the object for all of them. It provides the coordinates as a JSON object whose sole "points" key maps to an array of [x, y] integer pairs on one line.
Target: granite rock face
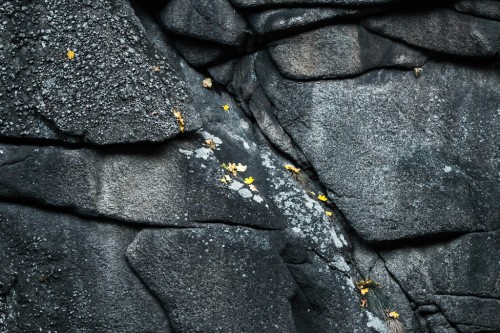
{"points": [[337, 141]]}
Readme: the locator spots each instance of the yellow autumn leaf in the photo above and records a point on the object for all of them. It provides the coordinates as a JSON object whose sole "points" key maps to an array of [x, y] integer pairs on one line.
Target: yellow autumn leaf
{"points": [[253, 188], [231, 167], [364, 291], [226, 107], [211, 144], [249, 180], [241, 168], [328, 213], [71, 54], [207, 83], [393, 314], [291, 168], [180, 120], [223, 180], [321, 197]]}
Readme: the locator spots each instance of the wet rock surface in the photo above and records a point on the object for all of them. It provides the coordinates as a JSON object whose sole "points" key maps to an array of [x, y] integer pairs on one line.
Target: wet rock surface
{"points": [[364, 137]]}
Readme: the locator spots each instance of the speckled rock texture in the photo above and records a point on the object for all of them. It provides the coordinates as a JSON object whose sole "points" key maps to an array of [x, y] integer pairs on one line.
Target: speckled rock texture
{"points": [[337, 141]]}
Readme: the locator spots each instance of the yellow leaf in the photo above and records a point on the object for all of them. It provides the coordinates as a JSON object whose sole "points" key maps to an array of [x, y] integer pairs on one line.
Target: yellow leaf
{"points": [[179, 118], [241, 168], [207, 83], [228, 178], [211, 144], [291, 168], [226, 107], [364, 291], [321, 197], [223, 180], [393, 314], [249, 180], [253, 188], [231, 167], [328, 213], [364, 303], [71, 54]]}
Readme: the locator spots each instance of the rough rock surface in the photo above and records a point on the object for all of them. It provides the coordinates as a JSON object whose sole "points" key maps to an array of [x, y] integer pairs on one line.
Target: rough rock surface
{"points": [[440, 30], [214, 21], [368, 137], [109, 92], [60, 273], [339, 51]]}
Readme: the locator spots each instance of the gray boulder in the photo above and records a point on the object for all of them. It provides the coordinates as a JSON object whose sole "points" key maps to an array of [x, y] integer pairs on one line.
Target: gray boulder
{"points": [[458, 276], [440, 30], [489, 9], [217, 279], [60, 273], [214, 21], [285, 3], [117, 88], [402, 156], [339, 51]]}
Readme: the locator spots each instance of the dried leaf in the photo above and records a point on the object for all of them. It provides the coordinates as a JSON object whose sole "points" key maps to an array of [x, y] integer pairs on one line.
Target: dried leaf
{"points": [[211, 144], [328, 213], [226, 107], [321, 197], [253, 188], [291, 168], [226, 179], [364, 291], [364, 303], [180, 120], [231, 167], [417, 71], [223, 180], [71, 54], [249, 180], [156, 69], [207, 83], [241, 168]]}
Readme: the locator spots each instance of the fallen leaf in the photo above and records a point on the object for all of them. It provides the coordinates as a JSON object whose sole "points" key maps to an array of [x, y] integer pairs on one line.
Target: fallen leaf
{"points": [[228, 178], [364, 303], [364, 291], [393, 314], [231, 167], [417, 71], [223, 180], [321, 197], [71, 54], [249, 180], [180, 120], [226, 107], [328, 213], [241, 168], [211, 144], [291, 168], [156, 69], [207, 83], [253, 188]]}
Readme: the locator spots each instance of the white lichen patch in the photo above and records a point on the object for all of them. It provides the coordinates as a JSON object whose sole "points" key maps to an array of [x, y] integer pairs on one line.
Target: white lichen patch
{"points": [[447, 169], [208, 136], [340, 264], [186, 152], [258, 198], [245, 193], [236, 185], [376, 323], [203, 153]]}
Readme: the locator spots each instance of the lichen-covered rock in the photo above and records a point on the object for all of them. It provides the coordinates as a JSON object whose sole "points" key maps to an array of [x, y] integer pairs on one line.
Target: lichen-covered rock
{"points": [[116, 88], [60, 273], [440, 30], [339, 51], [285, 3]]}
